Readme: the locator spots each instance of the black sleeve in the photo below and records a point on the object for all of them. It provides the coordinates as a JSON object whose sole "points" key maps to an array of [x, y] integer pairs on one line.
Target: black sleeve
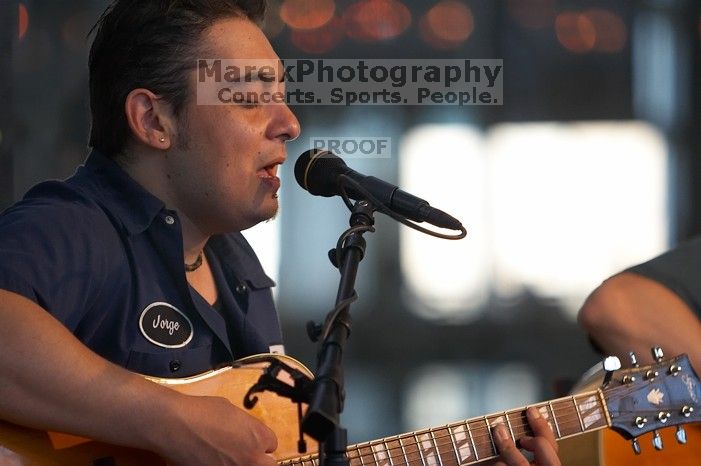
{"points": [[679, 270]]}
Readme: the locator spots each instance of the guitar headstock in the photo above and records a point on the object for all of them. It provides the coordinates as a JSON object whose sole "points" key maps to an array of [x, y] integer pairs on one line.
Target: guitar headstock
{"points": [[644, 399]]}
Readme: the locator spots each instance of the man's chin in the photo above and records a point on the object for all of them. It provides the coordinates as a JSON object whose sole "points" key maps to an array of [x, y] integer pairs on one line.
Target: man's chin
{"points": [[267, 216]]}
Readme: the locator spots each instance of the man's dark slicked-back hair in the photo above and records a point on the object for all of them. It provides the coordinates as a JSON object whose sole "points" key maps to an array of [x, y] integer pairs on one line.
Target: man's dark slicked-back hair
{"points": [[149, 44]]}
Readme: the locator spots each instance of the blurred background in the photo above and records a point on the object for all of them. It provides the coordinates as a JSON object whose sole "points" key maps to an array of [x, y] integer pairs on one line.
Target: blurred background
{"points": [[590, 165]]}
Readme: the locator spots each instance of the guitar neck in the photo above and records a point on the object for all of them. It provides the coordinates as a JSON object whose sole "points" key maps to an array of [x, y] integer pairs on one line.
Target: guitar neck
{"points": [[470, 441]]}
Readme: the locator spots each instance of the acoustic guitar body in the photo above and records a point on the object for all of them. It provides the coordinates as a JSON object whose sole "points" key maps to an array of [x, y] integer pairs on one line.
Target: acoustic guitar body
{"points": [[27, 447], [574, 419]]}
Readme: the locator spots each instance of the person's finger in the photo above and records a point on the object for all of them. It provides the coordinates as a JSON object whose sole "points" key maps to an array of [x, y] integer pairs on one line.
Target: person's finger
{"points": [[543, 451], [509, 454], [540, 427]]}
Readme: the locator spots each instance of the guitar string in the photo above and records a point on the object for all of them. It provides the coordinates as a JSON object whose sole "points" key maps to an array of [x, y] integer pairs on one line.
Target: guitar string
{"points": [[571, 419], [480, 439], [481, 433]]}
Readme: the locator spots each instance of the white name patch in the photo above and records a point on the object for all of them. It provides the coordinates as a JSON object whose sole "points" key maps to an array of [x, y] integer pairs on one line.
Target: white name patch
{"points": [[165, 325]]}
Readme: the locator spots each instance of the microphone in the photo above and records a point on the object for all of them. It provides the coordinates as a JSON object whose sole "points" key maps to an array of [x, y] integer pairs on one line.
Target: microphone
{"points": [[317, 171]]}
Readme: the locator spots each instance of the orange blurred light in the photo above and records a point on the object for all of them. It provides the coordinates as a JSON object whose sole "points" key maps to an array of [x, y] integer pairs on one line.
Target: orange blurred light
{"points": [[369, 20], [23, 20], [307, 14], [447, 24], [611, 31], [321, 40], [575, 32], [532, 14]]}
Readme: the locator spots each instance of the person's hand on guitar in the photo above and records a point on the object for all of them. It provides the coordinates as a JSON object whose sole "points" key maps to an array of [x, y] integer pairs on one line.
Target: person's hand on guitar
{"points": [[542, 445], [211, 431]]}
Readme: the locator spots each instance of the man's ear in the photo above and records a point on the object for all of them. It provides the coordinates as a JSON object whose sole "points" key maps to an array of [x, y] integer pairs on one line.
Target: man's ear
{"points": [[150, 119]]}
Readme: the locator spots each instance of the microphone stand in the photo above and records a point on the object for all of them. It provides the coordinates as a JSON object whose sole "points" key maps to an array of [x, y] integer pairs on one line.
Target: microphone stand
{"points": [[326, 402]]}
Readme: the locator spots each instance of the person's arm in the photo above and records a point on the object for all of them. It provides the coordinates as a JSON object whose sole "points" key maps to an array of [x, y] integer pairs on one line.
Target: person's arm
{"points": [[51, 381], [629, 312]]}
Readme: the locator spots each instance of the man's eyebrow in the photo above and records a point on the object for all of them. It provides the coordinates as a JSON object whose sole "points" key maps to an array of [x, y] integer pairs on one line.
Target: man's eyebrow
{"points": [[256, 75]]}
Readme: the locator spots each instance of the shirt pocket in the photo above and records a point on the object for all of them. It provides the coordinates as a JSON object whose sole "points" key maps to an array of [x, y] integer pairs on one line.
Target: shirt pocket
{"points": [[172, 364], [262, 317]]}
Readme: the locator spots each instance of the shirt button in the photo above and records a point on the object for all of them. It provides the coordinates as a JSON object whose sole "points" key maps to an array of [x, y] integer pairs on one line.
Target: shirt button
{"points": [[169, 219], [241, 288], [175, 365]]}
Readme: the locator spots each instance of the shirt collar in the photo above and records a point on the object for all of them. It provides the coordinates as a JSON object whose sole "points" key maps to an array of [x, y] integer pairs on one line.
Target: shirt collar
{"points": [[121, 195]]}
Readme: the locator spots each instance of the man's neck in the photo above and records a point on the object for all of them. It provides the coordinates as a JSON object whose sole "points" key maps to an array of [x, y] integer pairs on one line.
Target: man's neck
{"points": [[149, 172]]}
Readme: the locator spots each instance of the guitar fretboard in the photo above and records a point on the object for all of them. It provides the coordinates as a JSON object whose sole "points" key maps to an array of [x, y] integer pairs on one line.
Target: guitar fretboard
{"points": [[467, 442]]}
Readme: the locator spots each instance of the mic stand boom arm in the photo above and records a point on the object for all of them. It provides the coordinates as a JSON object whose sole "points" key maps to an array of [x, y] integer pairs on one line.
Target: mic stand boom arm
{"points": [[322, 418]]}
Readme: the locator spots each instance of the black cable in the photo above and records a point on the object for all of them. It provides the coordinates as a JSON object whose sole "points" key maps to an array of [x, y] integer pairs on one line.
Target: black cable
{"points": [[333, 315], [385, 210]]}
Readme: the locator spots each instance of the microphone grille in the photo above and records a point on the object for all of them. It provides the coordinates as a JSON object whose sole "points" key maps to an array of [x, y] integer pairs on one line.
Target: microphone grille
{"points": [[316, 171]]}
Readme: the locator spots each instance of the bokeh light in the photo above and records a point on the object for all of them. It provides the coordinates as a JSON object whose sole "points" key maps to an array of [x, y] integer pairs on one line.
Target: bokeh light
{"points": [[575, 31], [307, 14], [447, 24], [532, 14], [611, 31], [321, 40], [371, 20], [23, 20], [596, 30]]}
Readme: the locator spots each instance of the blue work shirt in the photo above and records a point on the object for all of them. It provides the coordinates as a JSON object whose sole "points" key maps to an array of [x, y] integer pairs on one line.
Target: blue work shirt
{"points": [[105, 257]]}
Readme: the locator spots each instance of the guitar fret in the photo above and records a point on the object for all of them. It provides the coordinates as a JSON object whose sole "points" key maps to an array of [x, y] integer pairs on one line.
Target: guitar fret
{"points": [[445, 447], [554, 417], [472, 441], [406, 458], [519, 424], [435, 445], [419, 450], [591, 410], [508, 423], [358, 456], [579, 415], [374, 456], [389, 453], [491, 438], [453, 442], [483, 448], [381, 453], [393, 446], [409, 442]]}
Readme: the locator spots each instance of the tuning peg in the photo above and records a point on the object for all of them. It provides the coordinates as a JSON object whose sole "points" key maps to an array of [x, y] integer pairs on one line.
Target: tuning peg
{"points": [[681, 435], [687, 410], [636, 445], [657, 354], [657, 440], [633, 359], [640, 422], [610, 365], [674, 370], [651, 375]]}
